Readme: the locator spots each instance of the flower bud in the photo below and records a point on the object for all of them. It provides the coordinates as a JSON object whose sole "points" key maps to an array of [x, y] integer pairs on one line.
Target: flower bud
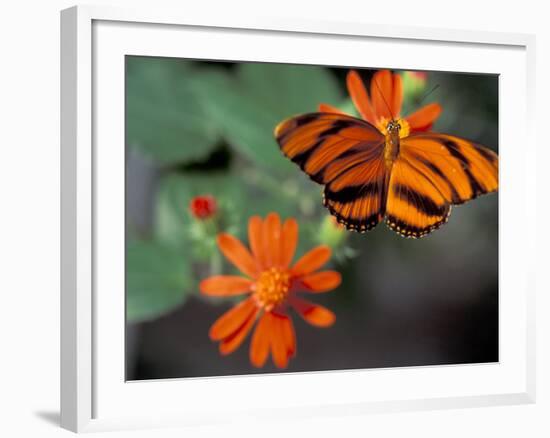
{"points": [[414, 83], [203, 207], [332, 233]]}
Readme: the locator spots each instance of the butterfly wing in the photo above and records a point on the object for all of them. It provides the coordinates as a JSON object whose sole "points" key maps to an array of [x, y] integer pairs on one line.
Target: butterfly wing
{"points": [[346, 155], [434, 171], [415, 203]]}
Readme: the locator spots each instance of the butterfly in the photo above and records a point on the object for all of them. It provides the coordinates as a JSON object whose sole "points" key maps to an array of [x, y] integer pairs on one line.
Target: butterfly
{"points": [[382, 167]]}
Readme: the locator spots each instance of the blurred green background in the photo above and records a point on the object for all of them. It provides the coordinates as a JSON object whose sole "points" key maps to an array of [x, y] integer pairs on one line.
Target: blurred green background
{"points": [[206, 128]]}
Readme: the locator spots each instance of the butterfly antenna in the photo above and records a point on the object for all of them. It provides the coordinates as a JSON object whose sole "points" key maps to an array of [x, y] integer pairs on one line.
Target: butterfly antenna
{"points": [[435, 87], [383, 98]]}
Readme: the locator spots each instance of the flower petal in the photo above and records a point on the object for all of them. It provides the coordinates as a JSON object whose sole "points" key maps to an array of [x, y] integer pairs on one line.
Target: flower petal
{"points": [[272, 226], [225, 285], [359, 96], [381, 92], [255, 238], [289, 240], [326, 108], [397, 96], [288, 334], [313, 313], [231, 320], [311, 261], [238, 254], [231, 343], [279, 350], [259, 345], [424, 117], [321, 281], [423, 128]]}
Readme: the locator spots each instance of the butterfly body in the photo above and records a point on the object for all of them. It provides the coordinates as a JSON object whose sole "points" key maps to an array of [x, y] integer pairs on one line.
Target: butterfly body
{"points": [[391, 147]]}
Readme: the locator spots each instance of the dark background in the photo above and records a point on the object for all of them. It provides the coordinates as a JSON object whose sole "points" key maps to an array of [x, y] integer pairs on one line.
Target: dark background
{"points": [[403, 302]]}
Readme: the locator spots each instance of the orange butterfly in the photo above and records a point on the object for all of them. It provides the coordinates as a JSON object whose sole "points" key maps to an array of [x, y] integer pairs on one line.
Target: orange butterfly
{"points": [[387, 167]]}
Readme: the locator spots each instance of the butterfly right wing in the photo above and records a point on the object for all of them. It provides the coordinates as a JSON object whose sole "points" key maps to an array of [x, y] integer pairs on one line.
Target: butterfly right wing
{"points": [[463, 170], [346, 155]]}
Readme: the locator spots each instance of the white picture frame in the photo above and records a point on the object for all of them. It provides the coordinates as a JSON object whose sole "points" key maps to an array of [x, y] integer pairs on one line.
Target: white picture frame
{"points": [[94, 397]]}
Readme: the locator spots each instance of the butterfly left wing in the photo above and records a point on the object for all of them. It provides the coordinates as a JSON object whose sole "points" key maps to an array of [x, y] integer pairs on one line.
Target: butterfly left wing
{"points": [[346, 155], [433, 172]]}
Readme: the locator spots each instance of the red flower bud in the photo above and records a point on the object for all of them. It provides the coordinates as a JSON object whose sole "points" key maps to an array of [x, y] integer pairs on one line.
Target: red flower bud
{"points": [[421, 75], [203, 207]]}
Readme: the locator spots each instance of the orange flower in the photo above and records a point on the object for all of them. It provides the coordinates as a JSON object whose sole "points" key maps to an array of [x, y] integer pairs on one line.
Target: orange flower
{"points": [[271, 284], [384, 103]]}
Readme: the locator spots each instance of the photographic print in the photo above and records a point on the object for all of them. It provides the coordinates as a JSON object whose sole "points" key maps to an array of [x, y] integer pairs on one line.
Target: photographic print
{"points": [[300, 218]]}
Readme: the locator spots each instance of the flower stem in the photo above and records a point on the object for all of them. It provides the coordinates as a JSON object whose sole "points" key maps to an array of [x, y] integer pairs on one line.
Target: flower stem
{"points": [[215, 263]]}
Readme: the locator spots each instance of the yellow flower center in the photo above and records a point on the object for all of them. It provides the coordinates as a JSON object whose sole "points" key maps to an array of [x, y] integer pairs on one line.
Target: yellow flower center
{"points": [[272, 287], [385, 125]]}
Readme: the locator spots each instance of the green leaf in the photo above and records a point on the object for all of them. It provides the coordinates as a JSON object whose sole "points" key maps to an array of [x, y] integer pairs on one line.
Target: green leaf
{"points": [[248, 105], [165, 118], [157, 280]]}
